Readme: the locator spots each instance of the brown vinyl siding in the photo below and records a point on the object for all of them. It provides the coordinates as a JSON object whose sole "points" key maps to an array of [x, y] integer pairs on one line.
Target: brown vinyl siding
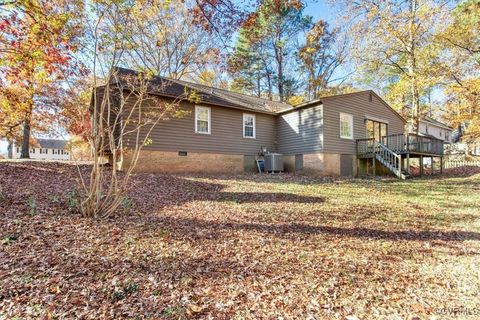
{"points": [[311, 128], [111, 118], [300, 131], [316, 127], [360, 106], [226, 132]]}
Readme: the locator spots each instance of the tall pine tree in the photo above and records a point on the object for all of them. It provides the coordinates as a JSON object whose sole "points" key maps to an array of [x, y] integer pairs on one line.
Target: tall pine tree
{"points": [[265, 52]]}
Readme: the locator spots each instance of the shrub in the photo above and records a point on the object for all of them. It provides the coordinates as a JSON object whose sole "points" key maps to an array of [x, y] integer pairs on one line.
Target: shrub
{"points": [[32, 203]]}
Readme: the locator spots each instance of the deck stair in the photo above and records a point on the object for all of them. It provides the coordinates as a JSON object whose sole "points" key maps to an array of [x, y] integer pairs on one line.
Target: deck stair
{"points": [[389, 159]]}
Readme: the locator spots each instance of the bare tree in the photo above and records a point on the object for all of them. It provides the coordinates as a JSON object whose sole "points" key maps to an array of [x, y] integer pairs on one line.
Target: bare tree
{"points": [[323, 53], [164, 39], [125, 107], [123, 113]]}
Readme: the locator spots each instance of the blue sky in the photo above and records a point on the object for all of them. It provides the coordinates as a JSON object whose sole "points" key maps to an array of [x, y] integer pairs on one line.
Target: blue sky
{"points": [[319, 9]]}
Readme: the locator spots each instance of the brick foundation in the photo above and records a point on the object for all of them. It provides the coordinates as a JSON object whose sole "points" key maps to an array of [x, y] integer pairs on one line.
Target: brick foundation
{"points": [[327, 164], [172, 162], [289, 163]]}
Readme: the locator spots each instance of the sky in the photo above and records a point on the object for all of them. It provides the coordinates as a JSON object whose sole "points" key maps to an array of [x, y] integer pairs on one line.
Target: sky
{"points": [[319, 9]]}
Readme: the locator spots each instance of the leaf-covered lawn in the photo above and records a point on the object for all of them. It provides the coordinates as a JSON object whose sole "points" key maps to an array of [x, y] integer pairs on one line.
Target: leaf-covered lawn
{"points": [[240, 247]]}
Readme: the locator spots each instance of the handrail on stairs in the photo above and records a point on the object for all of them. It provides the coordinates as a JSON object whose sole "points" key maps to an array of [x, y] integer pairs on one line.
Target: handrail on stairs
{"points": [[389, 157]]}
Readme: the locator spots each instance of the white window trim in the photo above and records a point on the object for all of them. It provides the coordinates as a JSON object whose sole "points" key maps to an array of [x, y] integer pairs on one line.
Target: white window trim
{"points": [[342, 114], [254, 125], [197, 108], [369, 117]]}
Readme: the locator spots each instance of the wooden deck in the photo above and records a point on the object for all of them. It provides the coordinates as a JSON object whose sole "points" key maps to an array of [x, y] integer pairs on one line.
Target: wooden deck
{"points": [[410, 144], [395, 151]]}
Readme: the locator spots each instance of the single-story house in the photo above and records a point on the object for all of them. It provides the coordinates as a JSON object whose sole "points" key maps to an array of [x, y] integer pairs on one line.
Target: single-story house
{"points": [[45, 149], [223, 131]]}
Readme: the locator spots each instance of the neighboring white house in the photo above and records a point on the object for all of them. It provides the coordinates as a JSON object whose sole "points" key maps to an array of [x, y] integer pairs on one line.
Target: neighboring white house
{"points": [[433, 128], [45, 149], [461, 147]]}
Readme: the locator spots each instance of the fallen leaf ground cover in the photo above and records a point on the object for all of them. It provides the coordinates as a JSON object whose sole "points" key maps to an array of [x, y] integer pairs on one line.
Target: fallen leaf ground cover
{"points": [[240, 247]]}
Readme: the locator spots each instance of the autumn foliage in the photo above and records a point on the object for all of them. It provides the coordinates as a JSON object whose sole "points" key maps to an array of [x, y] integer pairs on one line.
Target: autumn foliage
{"points": [[37, 43]]}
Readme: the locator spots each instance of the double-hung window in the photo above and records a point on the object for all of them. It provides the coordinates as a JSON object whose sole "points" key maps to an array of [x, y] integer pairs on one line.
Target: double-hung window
{"points": [[202, 120], [249, 126], [346, 126]]}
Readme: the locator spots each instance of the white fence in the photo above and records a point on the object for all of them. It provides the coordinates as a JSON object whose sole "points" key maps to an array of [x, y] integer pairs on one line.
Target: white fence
{"points": [[461, 163]]}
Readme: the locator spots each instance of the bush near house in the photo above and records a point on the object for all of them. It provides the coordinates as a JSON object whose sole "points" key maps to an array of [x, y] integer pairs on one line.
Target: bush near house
{"points": [[247, 246]]}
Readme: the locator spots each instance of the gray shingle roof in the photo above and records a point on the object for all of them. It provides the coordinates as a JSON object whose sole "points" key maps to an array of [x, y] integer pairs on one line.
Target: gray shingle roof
{"points": [[182, 89], [51, 143]]}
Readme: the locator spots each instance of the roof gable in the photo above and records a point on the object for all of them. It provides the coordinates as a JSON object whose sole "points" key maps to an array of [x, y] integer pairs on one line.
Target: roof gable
{"points": [[387, 105]]}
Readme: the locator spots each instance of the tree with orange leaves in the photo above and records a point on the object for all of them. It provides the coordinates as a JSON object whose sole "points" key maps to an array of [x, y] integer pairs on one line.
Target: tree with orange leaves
{"points": [[37, 42], [461, 68]]}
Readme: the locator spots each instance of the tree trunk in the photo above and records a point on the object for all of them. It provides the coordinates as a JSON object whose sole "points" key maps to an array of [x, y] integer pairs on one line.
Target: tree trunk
{"points": [[25, 154], [280, 82], [279, 58], [259, 87], [415, 104], [430, 107], [10, 149], [412, 68], [26, 140], [312, 88], [269, 83]]}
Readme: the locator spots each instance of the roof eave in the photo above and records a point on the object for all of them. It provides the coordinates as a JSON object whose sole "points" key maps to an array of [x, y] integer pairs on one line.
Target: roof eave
{"points": [[320, 100], [236, 106], [194, 86], [438, 124]]}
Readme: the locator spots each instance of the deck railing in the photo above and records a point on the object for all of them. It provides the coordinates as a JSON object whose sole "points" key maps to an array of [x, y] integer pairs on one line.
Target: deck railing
{"points": [[364, 146], [401, 143], [421, 144], [389, 158], [395, 142]]}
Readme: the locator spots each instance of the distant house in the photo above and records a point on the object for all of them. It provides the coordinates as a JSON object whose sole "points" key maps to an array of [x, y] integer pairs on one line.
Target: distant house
{"points": [[433, 128], [45, 149], [348, 134], [459, 146]]}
